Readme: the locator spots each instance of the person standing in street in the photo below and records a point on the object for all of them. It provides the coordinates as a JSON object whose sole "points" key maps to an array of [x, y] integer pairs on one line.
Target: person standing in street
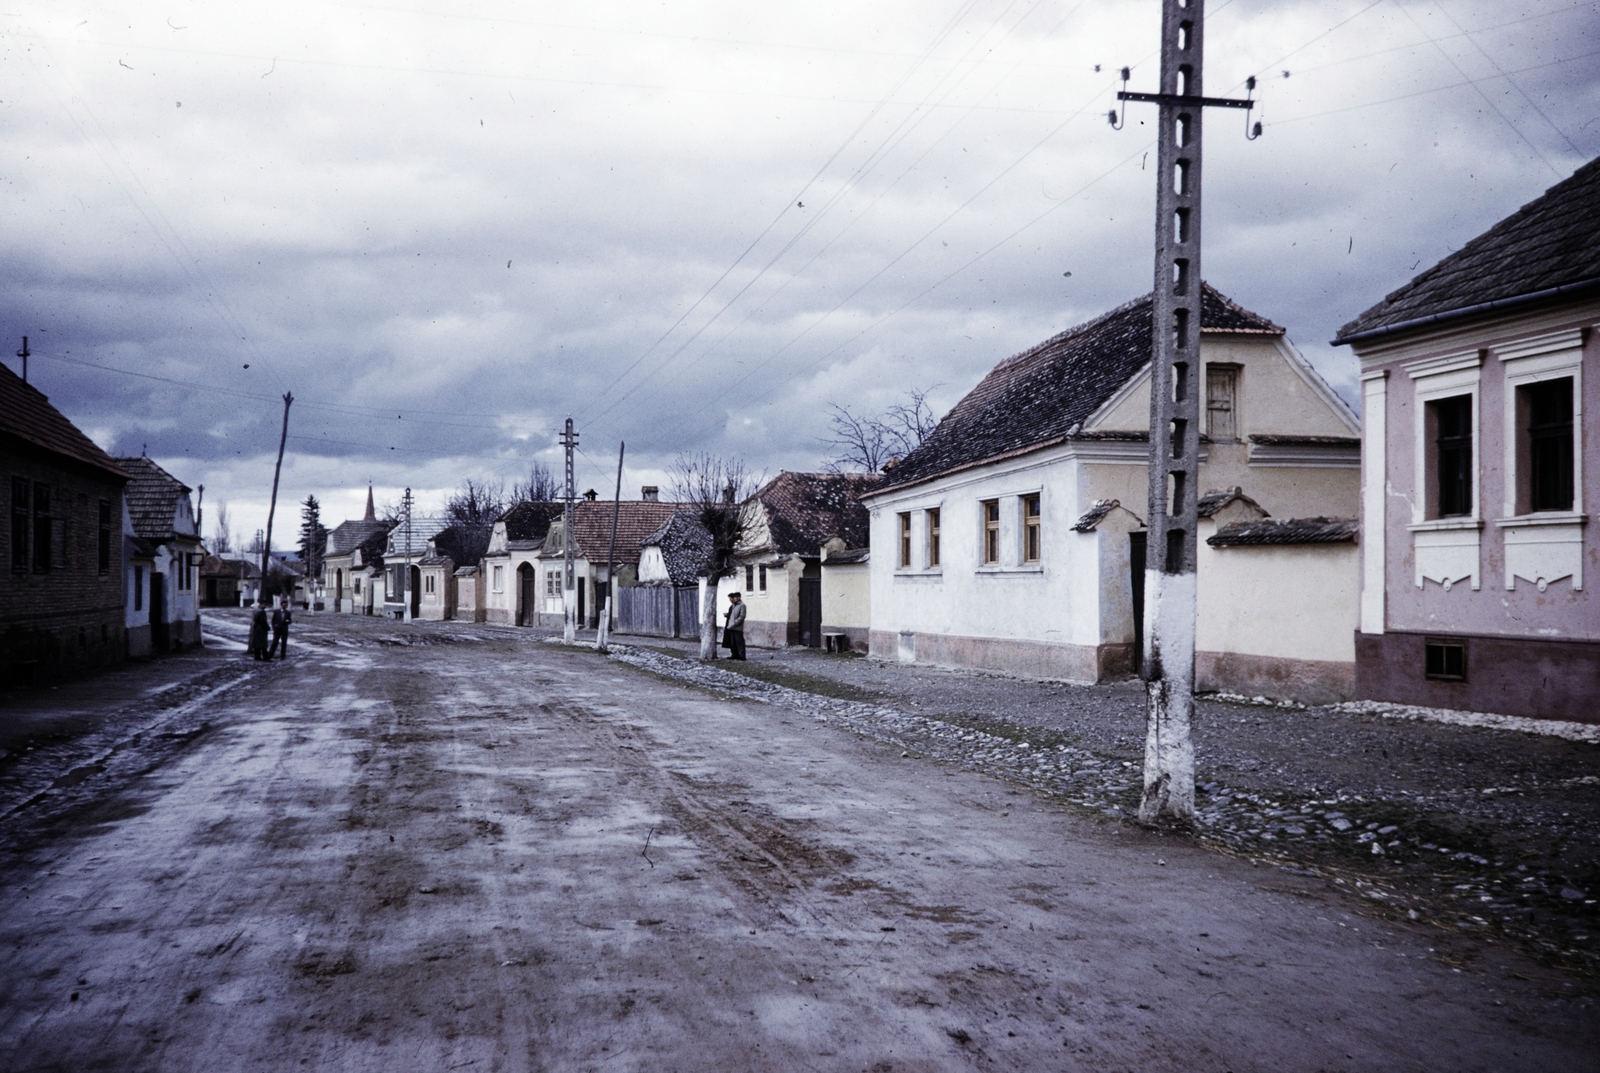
{"points": [[258, 633], [280, 630], [733, 632]]}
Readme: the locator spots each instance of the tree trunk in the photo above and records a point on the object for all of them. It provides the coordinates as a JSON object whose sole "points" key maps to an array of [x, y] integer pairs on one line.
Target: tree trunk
{"points": [[708, 621]]}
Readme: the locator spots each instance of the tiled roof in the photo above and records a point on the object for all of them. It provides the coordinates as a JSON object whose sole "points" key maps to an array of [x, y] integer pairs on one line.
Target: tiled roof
{"points": [[1095, 515], [1043, 394], [152, 496], [1287, 531], [530, 519], [591, 528], [847, 557], [1271, 440], [422, 529], [348, 536], [26, 414], [803, 510], [1551, 242], [1212, 502], [685, 546]]}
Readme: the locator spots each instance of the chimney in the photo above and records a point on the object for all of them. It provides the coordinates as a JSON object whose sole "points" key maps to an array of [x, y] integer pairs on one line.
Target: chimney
{"points": [[650, 493], [591, 495]]}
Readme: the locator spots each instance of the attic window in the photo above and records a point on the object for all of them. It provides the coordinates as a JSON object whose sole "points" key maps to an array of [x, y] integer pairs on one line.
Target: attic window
{"points": [[1222, 401]]}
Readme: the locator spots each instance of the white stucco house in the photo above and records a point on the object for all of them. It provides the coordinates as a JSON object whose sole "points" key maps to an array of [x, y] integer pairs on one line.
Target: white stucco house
{"points": [[1013, 537]]}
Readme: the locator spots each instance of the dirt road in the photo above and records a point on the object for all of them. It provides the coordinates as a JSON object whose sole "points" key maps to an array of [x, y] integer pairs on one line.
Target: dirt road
{"points": [[460, 848]]}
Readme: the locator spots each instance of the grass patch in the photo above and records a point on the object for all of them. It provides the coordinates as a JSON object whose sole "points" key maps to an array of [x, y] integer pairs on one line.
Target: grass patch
{"points": [[804, 683]]}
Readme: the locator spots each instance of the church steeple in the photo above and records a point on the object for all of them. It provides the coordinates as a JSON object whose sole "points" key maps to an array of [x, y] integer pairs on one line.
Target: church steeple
{"points": [[371, 515]]}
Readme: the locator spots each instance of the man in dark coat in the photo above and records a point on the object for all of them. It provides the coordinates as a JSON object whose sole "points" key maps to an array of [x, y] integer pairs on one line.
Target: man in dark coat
{"points": [[733, 632], [258, 633], [280, 631]]}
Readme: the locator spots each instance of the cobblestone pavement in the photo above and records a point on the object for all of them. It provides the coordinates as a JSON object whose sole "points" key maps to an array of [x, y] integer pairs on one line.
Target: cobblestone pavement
{"points": [[1490, 834]]}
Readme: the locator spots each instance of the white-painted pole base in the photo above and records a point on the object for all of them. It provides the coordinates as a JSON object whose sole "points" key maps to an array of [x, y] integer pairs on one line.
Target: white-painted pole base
{"points": [[1168, 747], [605, 624]]}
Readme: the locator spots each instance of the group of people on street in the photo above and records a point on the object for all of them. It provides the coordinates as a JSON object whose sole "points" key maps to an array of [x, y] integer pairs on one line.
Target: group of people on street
{"points": [[261, 647]]}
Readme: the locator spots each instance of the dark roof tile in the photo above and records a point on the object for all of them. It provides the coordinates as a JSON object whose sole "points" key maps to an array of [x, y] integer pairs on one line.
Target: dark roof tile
{"points": [[27, 415], [804, 510], [685, 545], [1553, 241], [152, 495], [1287, 531], [1043, 394]]}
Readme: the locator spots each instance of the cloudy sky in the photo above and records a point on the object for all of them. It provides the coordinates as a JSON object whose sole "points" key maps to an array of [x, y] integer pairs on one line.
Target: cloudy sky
{"points": [[692, 226]]}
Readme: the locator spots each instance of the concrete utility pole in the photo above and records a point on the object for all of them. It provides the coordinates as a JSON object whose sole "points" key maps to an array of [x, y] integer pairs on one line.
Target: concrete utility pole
{"points": [[569, 591], [405, 576], [1176, 381]]}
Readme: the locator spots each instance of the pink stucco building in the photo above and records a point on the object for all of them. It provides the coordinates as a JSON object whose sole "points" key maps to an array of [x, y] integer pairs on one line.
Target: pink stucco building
{"points": [[1480, 391]]}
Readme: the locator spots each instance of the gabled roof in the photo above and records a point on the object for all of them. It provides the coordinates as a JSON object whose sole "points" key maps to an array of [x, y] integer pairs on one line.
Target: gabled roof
{"points": [[804, 510], [530, 519], [1547, 249], [152, 495], [1044, 394], [1213, 502], [1287, 531], [591, 528], [686, 547], [413, 540], [28, 416], [346, 537]]}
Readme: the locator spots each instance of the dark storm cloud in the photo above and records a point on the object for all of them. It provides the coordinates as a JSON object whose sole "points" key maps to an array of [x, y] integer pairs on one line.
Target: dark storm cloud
{"points": [[446, 232]]}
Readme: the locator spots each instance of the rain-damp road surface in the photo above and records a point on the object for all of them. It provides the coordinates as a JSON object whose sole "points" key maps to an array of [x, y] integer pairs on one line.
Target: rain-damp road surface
{"points": [[498, 854]]}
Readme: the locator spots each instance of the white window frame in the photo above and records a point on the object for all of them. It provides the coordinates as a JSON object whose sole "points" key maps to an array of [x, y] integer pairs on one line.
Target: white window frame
{"points": [[1446, 550]]}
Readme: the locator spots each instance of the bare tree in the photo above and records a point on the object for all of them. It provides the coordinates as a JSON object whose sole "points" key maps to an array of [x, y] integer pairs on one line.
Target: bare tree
{"points": [[477, 503], [541, 486], [222, 542], [716, 489], [859, 442]]}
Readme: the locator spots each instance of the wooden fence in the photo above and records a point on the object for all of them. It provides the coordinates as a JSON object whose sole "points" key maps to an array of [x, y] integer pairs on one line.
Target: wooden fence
{"points": [[659, 611]]}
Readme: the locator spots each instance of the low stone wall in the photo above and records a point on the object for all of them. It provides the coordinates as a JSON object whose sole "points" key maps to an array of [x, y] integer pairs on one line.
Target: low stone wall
{"points": [[1034, 659], [1307, 681]]}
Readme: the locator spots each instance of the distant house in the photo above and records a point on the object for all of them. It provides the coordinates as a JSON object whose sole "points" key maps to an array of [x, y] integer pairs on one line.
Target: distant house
{"points": [[1013, 538], [223, 580], [509, 582], [453, 549], [788, 522], [164, 553], [403, 554], [347, 561], [1481, 385], [61, 601], [592, 528]]}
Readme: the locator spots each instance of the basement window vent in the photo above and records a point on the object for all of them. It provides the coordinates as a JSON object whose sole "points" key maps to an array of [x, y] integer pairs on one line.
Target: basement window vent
{"points": [[1445, 660]]}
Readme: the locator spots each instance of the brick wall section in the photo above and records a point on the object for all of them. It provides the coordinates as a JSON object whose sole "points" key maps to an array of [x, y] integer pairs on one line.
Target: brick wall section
{"points": [[55, 624]]}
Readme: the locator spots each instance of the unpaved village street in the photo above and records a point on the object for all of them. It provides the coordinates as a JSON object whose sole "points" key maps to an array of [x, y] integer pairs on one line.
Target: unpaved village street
{"points": [[460, 847]]}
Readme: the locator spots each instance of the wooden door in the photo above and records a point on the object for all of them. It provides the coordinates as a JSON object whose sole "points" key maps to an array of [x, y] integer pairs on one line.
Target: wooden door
{"points": [[811, 612]]}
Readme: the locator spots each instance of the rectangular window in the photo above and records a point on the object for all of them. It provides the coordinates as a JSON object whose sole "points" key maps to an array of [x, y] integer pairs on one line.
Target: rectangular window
{"points": [[1030, 529], [21, 523], [41, 528], [761, 577], [552, 584], [499, 579], [103, 550], [905, 540], [1451, 421], [749, 579], [1222, 402], [427, 585], [933, 537], [991, 532], [1544, 411], [138, 588], [1445, 660]]}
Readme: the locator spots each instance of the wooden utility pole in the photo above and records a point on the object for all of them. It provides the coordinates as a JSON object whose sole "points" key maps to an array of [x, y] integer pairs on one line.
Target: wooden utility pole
{"points": [[272, 508], [406, 503], [569, 592], [1177, 377], [611, 556]]}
